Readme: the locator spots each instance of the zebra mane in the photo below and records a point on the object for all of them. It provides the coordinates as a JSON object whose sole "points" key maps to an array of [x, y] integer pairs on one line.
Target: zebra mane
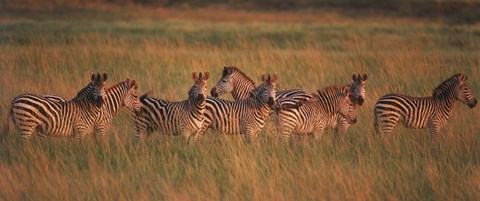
{"points": [[232, 69], [332, 88], [120, 84], [448, 84], [84, 92]]}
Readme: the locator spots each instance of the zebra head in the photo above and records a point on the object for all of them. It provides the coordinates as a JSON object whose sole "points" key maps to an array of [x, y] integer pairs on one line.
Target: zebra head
{"points": [[463, 93], [199, 90], [98, 84], [131, 99], [358, 87], [347, 105], [266, 92], [225, 84]]}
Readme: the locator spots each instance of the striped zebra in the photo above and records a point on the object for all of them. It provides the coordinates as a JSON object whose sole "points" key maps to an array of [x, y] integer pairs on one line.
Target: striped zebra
{"points": [[338, 122], [240, 85], [314, 116], [422, 112], [184, 117], [245, 117], [121, 94], [74, 118]]}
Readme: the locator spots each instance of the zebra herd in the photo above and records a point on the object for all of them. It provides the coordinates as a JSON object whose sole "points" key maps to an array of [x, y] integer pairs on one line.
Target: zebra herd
{"points": [[292, 111]]}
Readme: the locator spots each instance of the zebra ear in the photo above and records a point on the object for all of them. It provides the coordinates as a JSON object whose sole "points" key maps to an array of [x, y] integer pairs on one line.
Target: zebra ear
{"points": [[274, 78], [364, 77], [134, 84], [354, 76], [194, 76], [92, 77], [104, 77], [346, 91], [206, 75]]}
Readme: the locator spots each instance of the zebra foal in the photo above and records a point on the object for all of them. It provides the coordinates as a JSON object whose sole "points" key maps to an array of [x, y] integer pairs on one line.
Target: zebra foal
{"points": [[422, 112]]}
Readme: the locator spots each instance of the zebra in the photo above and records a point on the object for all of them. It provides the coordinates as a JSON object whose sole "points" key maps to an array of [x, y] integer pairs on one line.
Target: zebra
{"points": [[314, 116], [245, 117], [234, 81], [74, 118], [338, 122], [184, 117], [121, 94], [422, 112]]}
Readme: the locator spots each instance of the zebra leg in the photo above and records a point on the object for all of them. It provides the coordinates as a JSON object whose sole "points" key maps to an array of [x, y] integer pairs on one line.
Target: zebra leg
{"points": [[41, 135], [201, 132], [276, 125], [250, 136], [287, 130], [434, 130], [139, 134], [26, 132], [79, 135], [318, 133], [100, 135], [341, 132]]}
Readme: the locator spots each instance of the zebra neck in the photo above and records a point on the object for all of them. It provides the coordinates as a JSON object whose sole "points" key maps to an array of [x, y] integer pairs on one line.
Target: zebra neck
{"points": [[262, 106], [115, 98], [446, 104], [196, 105], [242, 88]]}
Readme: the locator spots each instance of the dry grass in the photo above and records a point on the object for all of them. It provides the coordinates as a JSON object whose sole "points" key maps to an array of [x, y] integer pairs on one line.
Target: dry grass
{"points": [[308, 50]]}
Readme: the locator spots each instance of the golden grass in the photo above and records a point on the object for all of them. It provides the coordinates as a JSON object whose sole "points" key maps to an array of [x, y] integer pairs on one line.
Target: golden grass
{"points": [[160, 48]]}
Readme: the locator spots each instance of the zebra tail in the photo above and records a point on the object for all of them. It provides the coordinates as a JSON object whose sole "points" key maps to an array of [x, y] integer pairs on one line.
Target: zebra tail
{"points": [[375, 122]]}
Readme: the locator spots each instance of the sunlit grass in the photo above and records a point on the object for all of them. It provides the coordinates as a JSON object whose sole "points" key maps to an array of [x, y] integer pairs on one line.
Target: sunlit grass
{"points": [[307, 51]]}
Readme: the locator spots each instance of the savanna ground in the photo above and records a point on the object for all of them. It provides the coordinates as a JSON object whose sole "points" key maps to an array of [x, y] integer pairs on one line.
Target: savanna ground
{"points": [[53, 52]]}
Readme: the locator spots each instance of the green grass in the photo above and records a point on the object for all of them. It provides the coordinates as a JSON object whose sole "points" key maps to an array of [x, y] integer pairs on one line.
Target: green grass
{"points": [[406, 56]]}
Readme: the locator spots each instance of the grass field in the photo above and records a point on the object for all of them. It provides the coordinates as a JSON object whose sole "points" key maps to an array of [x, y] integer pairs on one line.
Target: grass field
{"points": [[53, 52]]}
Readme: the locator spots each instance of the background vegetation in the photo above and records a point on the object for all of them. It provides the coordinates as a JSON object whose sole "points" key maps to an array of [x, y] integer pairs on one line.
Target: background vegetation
{"points": [[52, 51]]}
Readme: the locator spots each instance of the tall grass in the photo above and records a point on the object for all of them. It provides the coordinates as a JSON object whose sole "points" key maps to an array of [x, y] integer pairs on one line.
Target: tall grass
{"points": [[308, 51]]}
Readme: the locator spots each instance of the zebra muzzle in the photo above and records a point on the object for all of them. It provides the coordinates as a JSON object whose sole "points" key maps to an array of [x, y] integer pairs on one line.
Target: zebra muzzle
{"points": [[213, 92], [473, 104]]}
